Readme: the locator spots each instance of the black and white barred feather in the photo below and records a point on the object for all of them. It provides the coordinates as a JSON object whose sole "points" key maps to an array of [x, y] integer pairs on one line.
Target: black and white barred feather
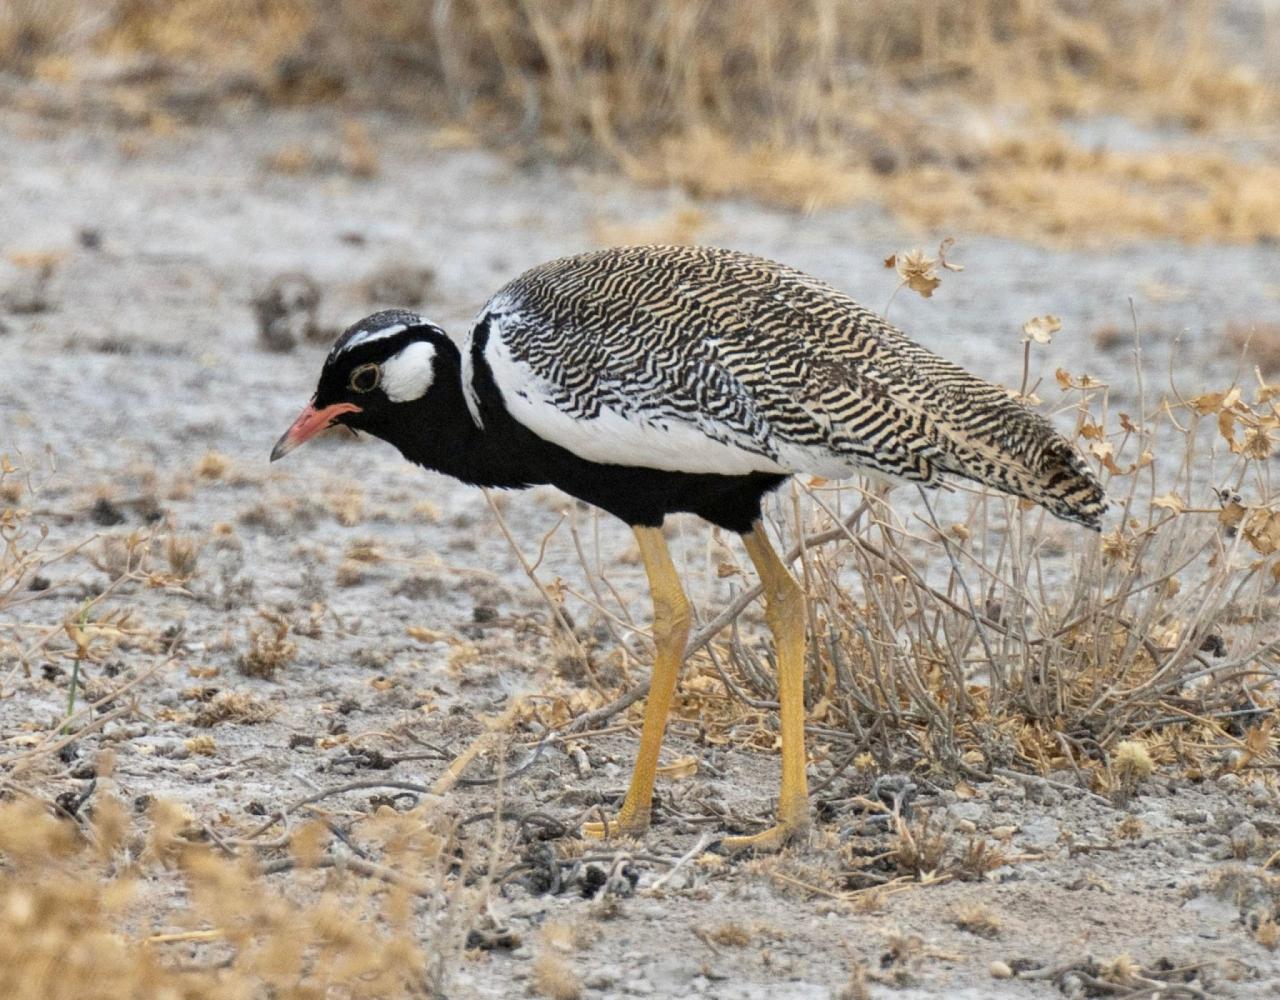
{"points": [[697, 359]]}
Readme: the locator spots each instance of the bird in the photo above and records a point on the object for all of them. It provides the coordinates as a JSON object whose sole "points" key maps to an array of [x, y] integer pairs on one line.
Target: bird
{"points": [[651, 380]]}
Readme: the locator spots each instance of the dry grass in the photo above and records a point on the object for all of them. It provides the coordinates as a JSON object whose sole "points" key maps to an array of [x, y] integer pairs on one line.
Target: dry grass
{"points": [[950, 112], [269, 647], [111, 909], [977, 919], [1042, 650], [1157, 646]]}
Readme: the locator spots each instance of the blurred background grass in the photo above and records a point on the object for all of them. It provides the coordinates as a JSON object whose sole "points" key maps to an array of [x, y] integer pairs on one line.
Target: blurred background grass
{"points": [[1061, 120]]}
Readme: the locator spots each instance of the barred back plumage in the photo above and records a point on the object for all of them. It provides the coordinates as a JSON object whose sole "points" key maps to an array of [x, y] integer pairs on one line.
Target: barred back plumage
{"points": [[774, 370], [649, 381]]}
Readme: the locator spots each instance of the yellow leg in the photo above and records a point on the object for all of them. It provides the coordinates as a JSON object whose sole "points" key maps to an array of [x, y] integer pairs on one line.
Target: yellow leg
{"points": [[670, 633], [785, 613]]}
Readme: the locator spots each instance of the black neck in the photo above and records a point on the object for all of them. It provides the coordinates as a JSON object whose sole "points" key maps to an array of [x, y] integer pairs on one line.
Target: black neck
{"points": [[438, 432]]}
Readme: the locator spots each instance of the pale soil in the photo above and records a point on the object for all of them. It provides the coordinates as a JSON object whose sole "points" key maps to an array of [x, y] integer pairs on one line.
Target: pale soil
{"points": [[146, 358]]}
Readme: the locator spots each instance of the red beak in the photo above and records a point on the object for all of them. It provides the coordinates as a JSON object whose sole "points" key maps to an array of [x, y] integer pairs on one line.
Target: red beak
{"points": [[310, 423]]}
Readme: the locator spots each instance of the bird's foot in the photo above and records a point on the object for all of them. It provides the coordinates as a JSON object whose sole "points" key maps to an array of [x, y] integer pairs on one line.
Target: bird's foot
{"points": [[625, 825], [788, 830]]}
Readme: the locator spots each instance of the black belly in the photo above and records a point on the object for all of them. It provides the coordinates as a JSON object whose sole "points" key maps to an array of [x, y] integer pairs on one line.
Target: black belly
{"points": [[645, 496]]}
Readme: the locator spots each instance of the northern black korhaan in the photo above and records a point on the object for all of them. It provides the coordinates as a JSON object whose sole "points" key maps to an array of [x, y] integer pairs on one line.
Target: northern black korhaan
{"points": [[649, 380]]}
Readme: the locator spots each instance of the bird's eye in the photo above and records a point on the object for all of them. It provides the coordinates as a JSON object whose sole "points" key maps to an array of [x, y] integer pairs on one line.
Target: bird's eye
{"points": [[366, 378]]}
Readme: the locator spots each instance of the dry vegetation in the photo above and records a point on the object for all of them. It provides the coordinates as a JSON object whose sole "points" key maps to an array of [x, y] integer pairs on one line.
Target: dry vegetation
{"points": [[96, 906], [952, 113], [1158, 649], [956, 653], [988, 645]]}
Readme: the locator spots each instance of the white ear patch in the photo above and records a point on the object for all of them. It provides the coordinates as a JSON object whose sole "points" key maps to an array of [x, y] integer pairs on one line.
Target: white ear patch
{"points": [[409, 374]]}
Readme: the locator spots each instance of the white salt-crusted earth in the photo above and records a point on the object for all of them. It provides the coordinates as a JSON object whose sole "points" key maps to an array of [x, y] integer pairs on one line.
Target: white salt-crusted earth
{"points": [[146, 358]]}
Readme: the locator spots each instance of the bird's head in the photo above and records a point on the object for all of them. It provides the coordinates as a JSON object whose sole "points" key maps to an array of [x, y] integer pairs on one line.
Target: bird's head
{"points": [[377, 369]]}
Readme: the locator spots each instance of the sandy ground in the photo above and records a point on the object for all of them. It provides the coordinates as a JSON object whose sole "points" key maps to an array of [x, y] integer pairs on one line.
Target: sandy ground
{"points": [[144, 359]]}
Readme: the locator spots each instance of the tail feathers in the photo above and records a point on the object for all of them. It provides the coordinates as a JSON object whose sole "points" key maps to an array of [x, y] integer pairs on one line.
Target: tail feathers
{"points": [[1029, 459], [1066, 487]]}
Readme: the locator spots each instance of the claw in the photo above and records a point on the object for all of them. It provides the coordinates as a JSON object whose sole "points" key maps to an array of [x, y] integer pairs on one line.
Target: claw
{"points": [[767, 841], [611, 829]]}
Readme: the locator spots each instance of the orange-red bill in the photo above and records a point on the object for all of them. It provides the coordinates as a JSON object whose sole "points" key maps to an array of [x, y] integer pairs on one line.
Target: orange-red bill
{"points": [[310, 423]]}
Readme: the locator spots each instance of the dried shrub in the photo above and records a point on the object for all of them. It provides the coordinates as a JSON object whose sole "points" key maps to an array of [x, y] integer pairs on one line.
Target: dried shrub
{"points": [[270, 648], [34, 29], [182, 554], [1132, 763], [1043, 649], [554, 978], [918, 849], [977, 919], [240, 707], [75, 921], [213, 465], [20, 538], [804, 104]]}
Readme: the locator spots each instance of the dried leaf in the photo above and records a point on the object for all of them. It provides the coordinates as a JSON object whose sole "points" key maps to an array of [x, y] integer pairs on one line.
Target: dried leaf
{"points": [[685, 767], [1170, 501], [1068, 381], [1257, 444], [1268, 391], [1091, 431], [1105, 452], [1215, 402], [1262, 531], [1208, 402], [917, 272], [426, 634], [1116, 547], [1041, 329], [1227, 427], [1232, 514], [943, 249]]}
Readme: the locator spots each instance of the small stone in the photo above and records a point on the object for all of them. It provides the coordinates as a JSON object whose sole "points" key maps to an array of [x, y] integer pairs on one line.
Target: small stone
{"points": [[1245, 840], [884, 161], [972, 811], [286, 312], [106, 514], [1040, 833], [603, 977], [1001, 970], [1043, 794]]}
